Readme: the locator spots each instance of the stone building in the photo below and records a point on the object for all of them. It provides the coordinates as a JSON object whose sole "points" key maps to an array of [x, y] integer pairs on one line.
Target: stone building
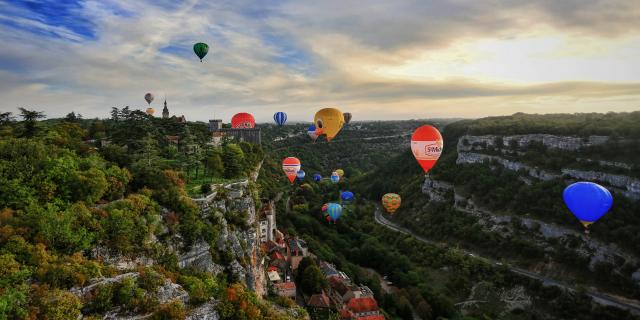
{"points": [[252, 135]]}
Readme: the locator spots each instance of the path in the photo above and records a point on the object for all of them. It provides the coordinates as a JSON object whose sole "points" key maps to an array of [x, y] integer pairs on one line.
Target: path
{"points": [[601, 298]]}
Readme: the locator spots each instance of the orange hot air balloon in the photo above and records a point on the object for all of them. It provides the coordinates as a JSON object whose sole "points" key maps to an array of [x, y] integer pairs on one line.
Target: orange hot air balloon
{"points": [[426, 145], [291, 166], [243, 120], [391, 202]]}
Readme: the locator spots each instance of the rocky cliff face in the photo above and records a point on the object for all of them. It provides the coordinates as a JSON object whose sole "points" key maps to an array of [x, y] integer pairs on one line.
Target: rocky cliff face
{"points": [[470, 148]]}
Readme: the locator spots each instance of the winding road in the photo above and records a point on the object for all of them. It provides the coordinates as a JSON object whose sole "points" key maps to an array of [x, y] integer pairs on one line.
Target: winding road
{"points": [[601, 298]]}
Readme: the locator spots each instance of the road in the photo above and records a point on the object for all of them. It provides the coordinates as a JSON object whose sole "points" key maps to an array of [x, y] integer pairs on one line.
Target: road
{"points": [[601, 298]]}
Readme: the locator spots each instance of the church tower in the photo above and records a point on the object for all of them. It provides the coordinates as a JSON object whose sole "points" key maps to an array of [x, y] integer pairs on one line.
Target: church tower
{"points": [[165, 110]]}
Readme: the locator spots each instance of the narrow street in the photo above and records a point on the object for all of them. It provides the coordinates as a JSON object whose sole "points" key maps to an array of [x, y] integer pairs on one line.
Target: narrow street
{"points": [[601, 298]]}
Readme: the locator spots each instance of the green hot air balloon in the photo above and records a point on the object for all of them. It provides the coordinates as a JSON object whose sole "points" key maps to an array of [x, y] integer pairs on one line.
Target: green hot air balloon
{"points": [[201, 49]]}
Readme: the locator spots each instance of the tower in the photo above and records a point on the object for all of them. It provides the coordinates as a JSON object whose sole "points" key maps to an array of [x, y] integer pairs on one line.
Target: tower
{"points": [[165, 110]]}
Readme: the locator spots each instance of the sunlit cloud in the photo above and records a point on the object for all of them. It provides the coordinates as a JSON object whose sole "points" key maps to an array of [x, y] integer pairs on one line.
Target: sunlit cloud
{"points": [[385, 60]]}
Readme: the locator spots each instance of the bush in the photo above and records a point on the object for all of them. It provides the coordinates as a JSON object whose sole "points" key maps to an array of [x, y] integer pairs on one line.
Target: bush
{"points": [[170, 311]]}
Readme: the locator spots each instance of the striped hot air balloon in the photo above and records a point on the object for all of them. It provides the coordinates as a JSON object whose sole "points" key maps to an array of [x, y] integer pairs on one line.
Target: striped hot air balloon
{"points": [[391, 202], [335, 211], [291, 166], [280, 118]]}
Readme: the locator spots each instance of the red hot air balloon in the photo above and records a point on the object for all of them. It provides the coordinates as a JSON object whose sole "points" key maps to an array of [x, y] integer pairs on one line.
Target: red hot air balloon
{"points": [[291, 166], [426, 145], [243, 120]]}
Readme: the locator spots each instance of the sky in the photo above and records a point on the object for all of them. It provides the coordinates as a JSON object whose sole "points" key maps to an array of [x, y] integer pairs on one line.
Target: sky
{"points": [[377, 59]]}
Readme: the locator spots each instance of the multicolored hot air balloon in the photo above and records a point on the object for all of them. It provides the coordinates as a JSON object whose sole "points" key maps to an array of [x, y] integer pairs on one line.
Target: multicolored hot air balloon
{"points": [[324, 207], [150, 111], [347, 197], [312, 133], [347, 117], [328, 121], [291, 166], [280, 118], [243, 120], [426, 145], [340, 173], [587, 201], [317, 177], [148, 97], [335, 211], [391, 202], [300, 175], [335, 178], [200, 49]]}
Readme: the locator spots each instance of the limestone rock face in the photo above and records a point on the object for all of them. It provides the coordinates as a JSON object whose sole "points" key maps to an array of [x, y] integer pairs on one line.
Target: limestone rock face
{"points": [[199, 257], [206, 311]]}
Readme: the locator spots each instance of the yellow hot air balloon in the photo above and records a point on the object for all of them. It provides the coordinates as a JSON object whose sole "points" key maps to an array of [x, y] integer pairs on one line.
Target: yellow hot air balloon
{"points": [[150, 111], [340, 172], [391, 202], [328, 121]]}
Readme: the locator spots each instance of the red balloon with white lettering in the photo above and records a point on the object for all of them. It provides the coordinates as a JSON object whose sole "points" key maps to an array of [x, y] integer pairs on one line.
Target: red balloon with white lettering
{"points": [[243, 120], [291, 166], [426, 145]]}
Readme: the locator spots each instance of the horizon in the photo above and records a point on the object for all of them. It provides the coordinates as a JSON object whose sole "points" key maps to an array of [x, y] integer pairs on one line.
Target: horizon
{"points": [[383, 61]]}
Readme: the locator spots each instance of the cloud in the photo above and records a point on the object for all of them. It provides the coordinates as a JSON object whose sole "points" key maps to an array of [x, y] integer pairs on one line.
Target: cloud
{"points": [[297, 56]]}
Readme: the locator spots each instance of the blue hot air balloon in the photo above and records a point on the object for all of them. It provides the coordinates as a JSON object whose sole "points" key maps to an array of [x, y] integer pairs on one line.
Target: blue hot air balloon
{"points": [[300, 175], [347, 197], [312, 132], [334, 211], [317, 177], [280, 118], [587, 201], [335, 177]]}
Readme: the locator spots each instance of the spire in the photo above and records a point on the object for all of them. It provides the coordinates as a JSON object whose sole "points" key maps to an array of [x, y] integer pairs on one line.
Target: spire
{"points": [[165, 110]]}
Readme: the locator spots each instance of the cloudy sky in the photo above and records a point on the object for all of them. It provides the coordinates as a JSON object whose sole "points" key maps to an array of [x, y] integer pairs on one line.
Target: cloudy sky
{"points": [[378, 59]]}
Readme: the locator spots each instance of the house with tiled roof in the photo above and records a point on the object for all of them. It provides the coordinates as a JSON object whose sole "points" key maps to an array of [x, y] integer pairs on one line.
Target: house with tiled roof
{"points": [[319, 306], [365, 308], [296, 250], [328, 269], [285, 289]]}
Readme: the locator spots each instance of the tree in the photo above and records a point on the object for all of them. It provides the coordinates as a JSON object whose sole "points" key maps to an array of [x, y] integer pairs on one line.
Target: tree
{"points": [[6, 118], [72, 117], [313, 281], [233, 158], [213, 163], [29, 120]]}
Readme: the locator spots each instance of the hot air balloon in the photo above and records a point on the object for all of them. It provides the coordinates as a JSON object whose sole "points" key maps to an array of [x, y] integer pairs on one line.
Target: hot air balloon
{"points": [[347, 197], [317, 177], [243, 120], [587, 201], [280, 118], [148, 97], [340, 173], [291, 166], [324, 207], [150, 111], [300, 175], [201, 49], [391, 202], [334, 210], [328, 121], [347, 117], [335, 178], [312, 133], [426, 145]]}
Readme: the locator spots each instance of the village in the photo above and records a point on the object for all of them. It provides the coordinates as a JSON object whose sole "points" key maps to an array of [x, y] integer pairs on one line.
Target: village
{"points": [[284, 255]]}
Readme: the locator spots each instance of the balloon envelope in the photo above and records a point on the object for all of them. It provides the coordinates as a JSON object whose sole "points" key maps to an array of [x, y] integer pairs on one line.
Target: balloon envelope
{"points": [[291, 166], [587, 201], [148, 97], [280, 118], [300, 175], [150, 111], [201, 49], [335, 211], [243, 120], [347, 117], [335, 178], [312, 132], [347, 197], [340, 173], [426, 145], [317, 177], [391, 202], [328, 121], [324, 207]]}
